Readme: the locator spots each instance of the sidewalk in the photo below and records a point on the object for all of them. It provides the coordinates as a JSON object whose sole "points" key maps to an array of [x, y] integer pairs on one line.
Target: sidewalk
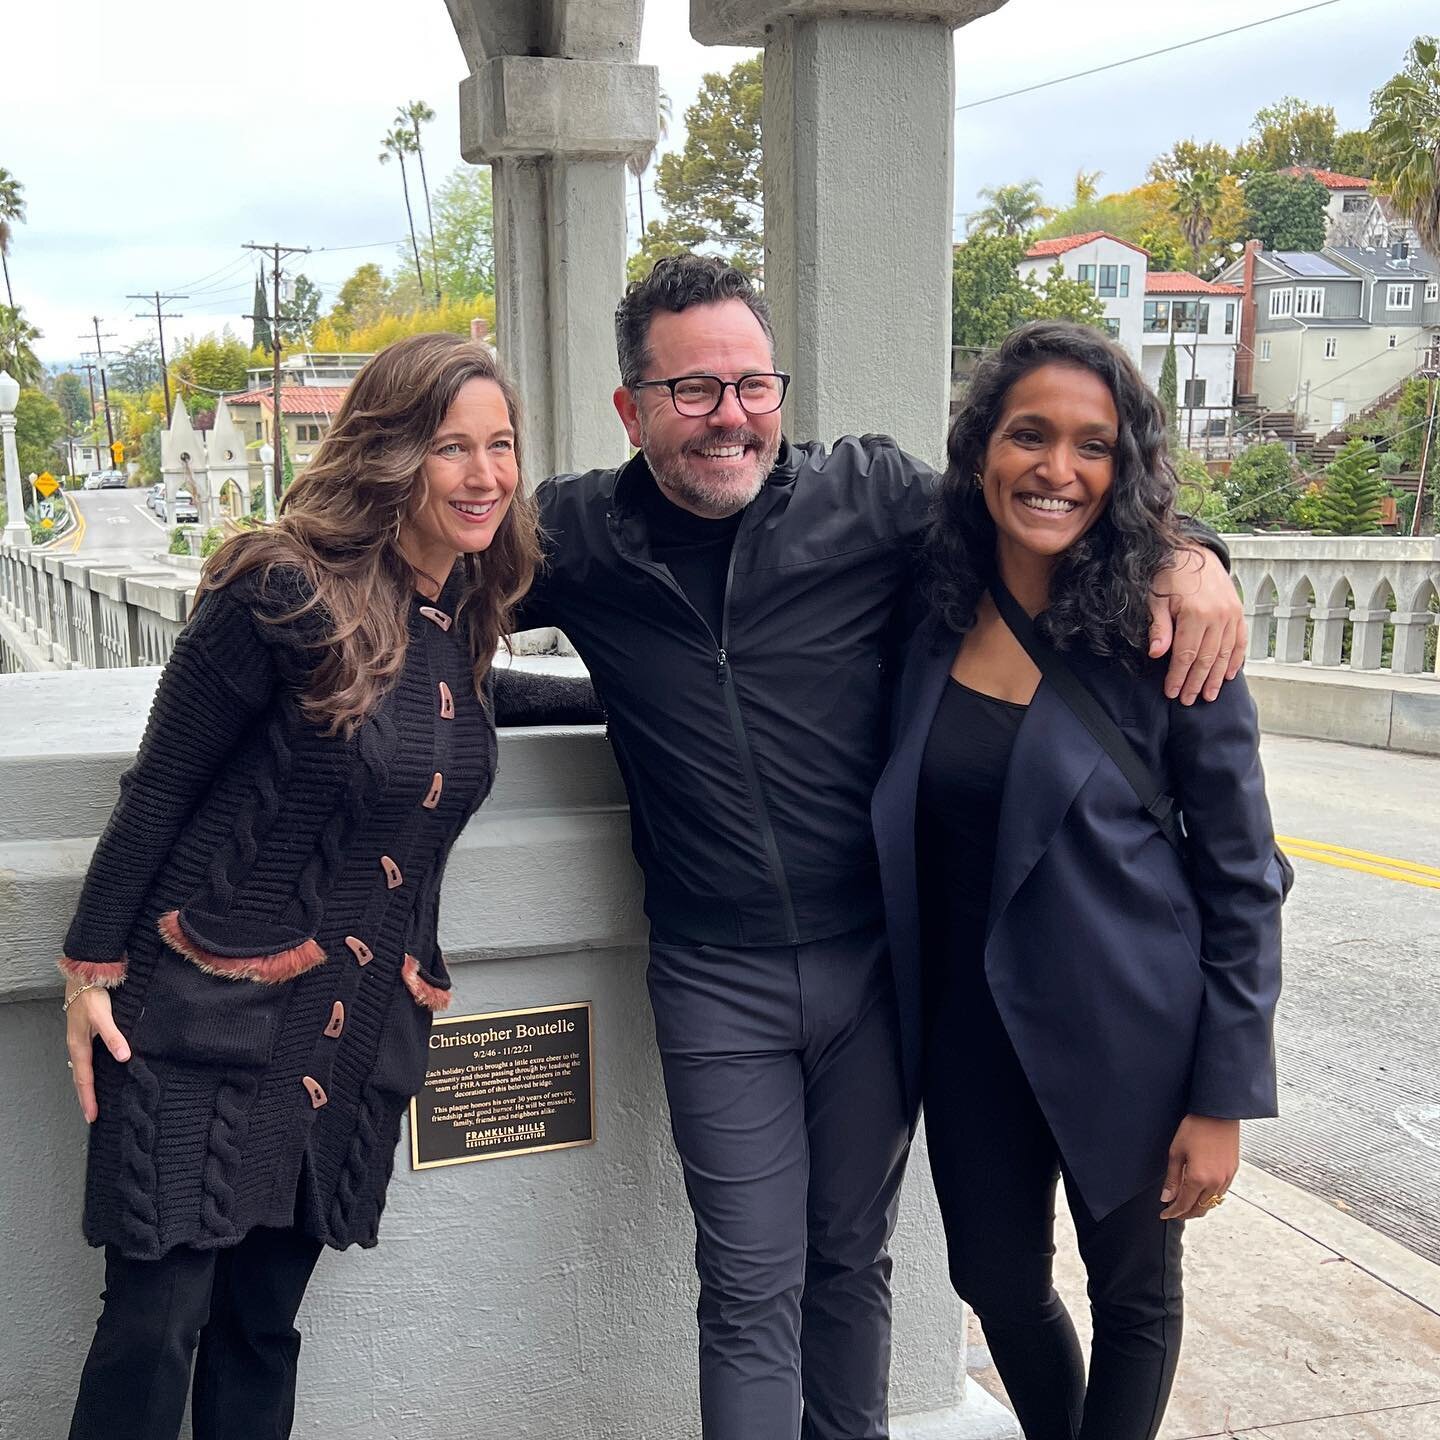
{"points": [[1301, 1324]]}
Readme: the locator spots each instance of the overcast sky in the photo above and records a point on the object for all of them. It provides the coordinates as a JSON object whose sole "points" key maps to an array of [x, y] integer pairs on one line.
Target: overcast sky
{"points": [[154, 138]]}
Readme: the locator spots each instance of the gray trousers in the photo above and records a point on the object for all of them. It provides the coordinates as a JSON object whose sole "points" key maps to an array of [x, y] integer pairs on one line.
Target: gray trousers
{"points": [[782, 1069]]}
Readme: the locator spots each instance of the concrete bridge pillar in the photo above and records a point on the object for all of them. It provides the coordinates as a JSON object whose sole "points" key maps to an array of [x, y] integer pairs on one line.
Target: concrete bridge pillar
{"points": [[1408, 656], [1290, 633], [555, 103], [1328, 647], [859, 125], [1367, 644], [182, 464]]}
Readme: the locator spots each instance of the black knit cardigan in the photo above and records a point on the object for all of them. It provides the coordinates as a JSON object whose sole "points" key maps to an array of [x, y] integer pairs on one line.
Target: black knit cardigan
{"points": [[264, 902]]}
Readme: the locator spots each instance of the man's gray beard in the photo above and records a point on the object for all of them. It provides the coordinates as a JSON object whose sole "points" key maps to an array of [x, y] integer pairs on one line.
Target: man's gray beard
{"points": [[714, 502]]}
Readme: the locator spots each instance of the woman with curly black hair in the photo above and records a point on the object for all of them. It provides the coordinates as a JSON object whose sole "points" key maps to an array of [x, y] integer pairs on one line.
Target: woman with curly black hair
{"points": [[1093, 983]]}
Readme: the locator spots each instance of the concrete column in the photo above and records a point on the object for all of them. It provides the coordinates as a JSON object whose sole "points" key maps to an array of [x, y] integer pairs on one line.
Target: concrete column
{"points": [[1367, 645], [1257, 618], [1408, 656], [17, 531], [1290, 633], [555, 103], [858, 123], [1329, 642]]}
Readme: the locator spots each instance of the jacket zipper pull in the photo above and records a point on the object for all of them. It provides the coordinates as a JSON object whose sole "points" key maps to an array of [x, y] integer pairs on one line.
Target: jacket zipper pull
{"points": [[721, 661]]}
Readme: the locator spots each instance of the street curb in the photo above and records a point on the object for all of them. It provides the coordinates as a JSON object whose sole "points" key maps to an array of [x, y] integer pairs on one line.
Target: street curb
{"points": [[1368, 1250]]}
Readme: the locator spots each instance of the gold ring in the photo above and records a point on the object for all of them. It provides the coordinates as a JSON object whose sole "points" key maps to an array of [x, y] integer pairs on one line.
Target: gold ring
{"points": [[1213, 1201]]}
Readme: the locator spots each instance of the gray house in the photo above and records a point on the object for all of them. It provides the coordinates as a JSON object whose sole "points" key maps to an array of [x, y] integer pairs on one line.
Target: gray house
{"points": [[1330, 332]]}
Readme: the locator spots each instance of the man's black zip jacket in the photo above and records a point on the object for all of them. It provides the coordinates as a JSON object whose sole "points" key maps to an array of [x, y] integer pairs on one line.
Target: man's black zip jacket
{"points": [[749, 756]]}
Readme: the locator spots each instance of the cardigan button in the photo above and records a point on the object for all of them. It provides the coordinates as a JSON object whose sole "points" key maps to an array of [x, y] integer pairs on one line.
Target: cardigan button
{"points": [[316, 1091], [436, 617], [432, 797], [362, 952], [337, 1021], [393, 878], [447, 702]]}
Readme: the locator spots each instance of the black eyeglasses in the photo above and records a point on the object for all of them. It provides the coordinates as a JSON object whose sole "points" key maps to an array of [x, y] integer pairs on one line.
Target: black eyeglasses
{"points": [[700, 395]]}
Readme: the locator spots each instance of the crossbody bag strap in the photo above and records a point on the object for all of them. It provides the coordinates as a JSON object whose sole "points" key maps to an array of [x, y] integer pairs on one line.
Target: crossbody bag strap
{"points": [[1153, 796]]}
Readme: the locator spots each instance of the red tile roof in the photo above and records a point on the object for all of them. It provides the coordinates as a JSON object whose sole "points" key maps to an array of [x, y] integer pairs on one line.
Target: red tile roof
{"points": [[294, 399], [1182, 282], [1329, 178], [1043, 248]]}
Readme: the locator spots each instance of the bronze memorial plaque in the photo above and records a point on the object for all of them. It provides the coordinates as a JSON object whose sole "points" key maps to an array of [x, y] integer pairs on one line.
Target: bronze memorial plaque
{"points": [[507, 1083]]}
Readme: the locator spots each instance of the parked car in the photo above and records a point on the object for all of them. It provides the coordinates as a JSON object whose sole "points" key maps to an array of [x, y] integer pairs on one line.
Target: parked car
{"points": [[112, 479], [92, 480], [156, 498], [183, 510]]}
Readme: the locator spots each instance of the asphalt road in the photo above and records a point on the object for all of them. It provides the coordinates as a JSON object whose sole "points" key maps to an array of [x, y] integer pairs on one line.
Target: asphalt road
{"points": [[116, 527], [1358, 1032]]}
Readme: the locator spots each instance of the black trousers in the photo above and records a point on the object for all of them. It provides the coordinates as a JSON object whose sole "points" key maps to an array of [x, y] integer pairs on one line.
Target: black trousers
{"points": [[996, 1165], [231, 1311], [782, 1069]]}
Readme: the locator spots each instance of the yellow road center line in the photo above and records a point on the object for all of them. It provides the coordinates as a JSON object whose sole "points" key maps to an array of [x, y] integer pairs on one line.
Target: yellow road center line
{"points": [[1296, 852], [1388, 861]]}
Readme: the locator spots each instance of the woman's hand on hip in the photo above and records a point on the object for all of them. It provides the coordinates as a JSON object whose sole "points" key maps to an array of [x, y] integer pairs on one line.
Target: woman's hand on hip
{"points": [[88, 1016], [1196, 615], [1204, 1156]]}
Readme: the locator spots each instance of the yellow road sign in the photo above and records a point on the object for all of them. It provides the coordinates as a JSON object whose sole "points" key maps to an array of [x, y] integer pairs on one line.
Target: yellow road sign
{"points": [[46, 484], [47, 524]]}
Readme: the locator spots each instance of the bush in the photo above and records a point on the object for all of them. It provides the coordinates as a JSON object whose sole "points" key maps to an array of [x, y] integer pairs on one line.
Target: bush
{"points": [[179, 542], [211, 541], [1262, 487]]}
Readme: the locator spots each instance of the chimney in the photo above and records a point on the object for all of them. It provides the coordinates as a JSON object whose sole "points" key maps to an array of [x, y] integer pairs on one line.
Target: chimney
{"points": [[1245, 354], [479, 331]]}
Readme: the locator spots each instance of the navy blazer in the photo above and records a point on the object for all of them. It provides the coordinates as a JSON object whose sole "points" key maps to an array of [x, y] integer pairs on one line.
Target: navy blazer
{"points": [[1135, 987]]}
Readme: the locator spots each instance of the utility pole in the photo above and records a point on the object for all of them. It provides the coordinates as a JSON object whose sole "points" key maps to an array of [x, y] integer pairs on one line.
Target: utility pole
{"points": [[158, 299], [277, 252], [104, 388], [88, 366]]}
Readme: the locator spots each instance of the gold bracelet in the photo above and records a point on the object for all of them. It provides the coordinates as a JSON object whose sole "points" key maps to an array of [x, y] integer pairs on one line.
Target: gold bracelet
{"points": [[72, 998]]}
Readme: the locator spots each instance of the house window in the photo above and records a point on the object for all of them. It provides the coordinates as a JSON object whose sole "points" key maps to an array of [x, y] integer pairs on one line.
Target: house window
{"points": [[1194, 393], [1281, 303], [308, 434], [259, 430], [1332, 347], [1399, 297], [1230, 318], [1112, 328], [1087, 276], [1394, 342], [1124, 281], [1264, 349], [1353, 204], [1157, 317], [1191, 317], [1432, 291], [1109, 280], [1310, 300]]}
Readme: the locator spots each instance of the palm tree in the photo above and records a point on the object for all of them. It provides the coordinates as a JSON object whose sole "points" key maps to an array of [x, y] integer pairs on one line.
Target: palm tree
{"points": [[12, 209], [399, 142], [1197, 199], [639, 162], [1087, 187], [1405, 140], [416, 114], [17, 336], [1010, 209]]}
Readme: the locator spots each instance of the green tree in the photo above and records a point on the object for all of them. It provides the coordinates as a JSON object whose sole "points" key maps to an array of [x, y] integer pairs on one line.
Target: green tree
{"points": [[463, 240], [1185, 157], [1261, 488], [1197, 203], [1009, 209], [73, 398], [987, 295], [1350, 502], [261, 337], [416, 114], [137, 367], [299, 313], [1352, 154], [1286, 212], [1292, 133], [361, 299], [12, 212], [1057, 297], [17, 340], [39, 427], [1168, 390], [208, 365], [398, 142], [1405, 140], [713, 188]]}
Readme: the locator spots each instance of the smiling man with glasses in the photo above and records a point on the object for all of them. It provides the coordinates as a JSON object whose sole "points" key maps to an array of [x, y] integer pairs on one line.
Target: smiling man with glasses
{"points": [[735, 598]]}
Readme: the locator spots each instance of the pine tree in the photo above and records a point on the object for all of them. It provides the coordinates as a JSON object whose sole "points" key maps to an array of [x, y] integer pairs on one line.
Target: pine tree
{"points": [[1350, 501], [260, 337], [1168, 389]]}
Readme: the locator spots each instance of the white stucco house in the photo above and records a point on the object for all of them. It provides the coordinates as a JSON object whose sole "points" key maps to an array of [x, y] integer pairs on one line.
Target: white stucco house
{"points": [[1113, 268], [1202, 320]]}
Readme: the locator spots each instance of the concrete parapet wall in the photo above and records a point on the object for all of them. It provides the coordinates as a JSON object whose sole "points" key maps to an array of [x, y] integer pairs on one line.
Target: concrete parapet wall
{"points": [[1381, 711], [525, 1298]]}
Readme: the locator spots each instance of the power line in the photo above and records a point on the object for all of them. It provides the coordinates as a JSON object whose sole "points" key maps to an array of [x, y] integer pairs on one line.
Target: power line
{"points": [[104, 387], [1148, 55], [160, 320]]}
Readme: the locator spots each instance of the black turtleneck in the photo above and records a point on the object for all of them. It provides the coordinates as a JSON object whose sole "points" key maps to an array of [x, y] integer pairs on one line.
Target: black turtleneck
{"points": [[695, 550]]}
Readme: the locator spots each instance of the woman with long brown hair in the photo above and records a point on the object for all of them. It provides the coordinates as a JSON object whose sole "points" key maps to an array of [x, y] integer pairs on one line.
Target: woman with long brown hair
{"points": [[253, 965]]}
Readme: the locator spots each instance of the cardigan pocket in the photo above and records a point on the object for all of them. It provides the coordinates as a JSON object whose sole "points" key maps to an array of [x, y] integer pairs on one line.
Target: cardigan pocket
{"points": [[268, 952], [201, 1019]]}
